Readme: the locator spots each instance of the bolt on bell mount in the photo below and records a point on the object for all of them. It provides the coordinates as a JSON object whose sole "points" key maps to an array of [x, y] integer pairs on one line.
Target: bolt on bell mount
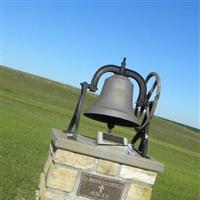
{"points": [[114, 104]]}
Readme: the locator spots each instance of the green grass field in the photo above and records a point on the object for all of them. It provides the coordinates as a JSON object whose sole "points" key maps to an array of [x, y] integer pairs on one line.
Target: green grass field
{"points": [[31, 106]]}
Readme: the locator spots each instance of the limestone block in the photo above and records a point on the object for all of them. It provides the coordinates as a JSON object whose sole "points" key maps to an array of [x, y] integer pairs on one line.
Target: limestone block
{"points": [[74, 159], [37, 195], [41, 185], [47, 163], [52, 195], [61, 178], [141, 175], [139, 192], [107, 167]]}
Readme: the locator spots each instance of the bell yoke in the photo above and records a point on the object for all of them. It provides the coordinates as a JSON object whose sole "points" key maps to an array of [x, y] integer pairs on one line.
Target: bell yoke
{"points": [[114, 105]]}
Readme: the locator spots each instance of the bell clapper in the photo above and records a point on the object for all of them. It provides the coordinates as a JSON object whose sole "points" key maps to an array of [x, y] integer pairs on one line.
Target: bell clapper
{"points": [[110, 127]]}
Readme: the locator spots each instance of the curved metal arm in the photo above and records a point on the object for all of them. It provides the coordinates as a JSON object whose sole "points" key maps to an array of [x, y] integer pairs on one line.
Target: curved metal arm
{"points": [[157, 96], [100, 72], [142, 131], [141, 101], [126, 72], [156, 83]]}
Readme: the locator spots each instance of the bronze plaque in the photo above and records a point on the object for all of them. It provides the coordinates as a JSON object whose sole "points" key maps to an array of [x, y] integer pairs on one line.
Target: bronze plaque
{"points": [[98, 187], [113, 138]]}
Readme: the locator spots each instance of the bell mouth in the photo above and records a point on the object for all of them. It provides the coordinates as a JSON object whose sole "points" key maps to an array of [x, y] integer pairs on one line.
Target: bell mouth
{"points": [[112, 120]]}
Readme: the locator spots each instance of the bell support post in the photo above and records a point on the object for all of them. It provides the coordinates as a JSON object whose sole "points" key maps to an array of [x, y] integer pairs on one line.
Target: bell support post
{"points": [[74, 123], [142, 131]]}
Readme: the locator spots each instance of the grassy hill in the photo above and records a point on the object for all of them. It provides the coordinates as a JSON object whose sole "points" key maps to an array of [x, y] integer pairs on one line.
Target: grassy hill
{"points": [[31, 106]]}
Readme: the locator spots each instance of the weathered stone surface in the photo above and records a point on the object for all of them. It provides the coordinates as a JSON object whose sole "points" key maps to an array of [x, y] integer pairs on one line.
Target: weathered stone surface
{"points": [[139, 192], [41, 185], [138, 174], [47, 163], [117, 154], [55, 195], [37, 195], [61, 178], [81, 198], [107, 167], [69, 159], [74, 159]]}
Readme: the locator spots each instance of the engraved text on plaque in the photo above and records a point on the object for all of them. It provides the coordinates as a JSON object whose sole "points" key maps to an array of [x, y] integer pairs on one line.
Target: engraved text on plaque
{"points": [[98, 187]]}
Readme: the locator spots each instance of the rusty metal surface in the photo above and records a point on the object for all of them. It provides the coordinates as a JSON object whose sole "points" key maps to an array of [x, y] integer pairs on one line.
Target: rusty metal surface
{"points": [[98, 187]]}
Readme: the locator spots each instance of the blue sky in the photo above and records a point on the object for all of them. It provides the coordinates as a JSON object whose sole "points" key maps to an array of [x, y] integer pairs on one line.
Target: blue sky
{"points": [[68, 41]]}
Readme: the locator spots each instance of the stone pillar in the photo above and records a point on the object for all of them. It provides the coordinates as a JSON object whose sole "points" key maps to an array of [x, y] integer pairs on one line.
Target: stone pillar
{"points": [[82, 170]]}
